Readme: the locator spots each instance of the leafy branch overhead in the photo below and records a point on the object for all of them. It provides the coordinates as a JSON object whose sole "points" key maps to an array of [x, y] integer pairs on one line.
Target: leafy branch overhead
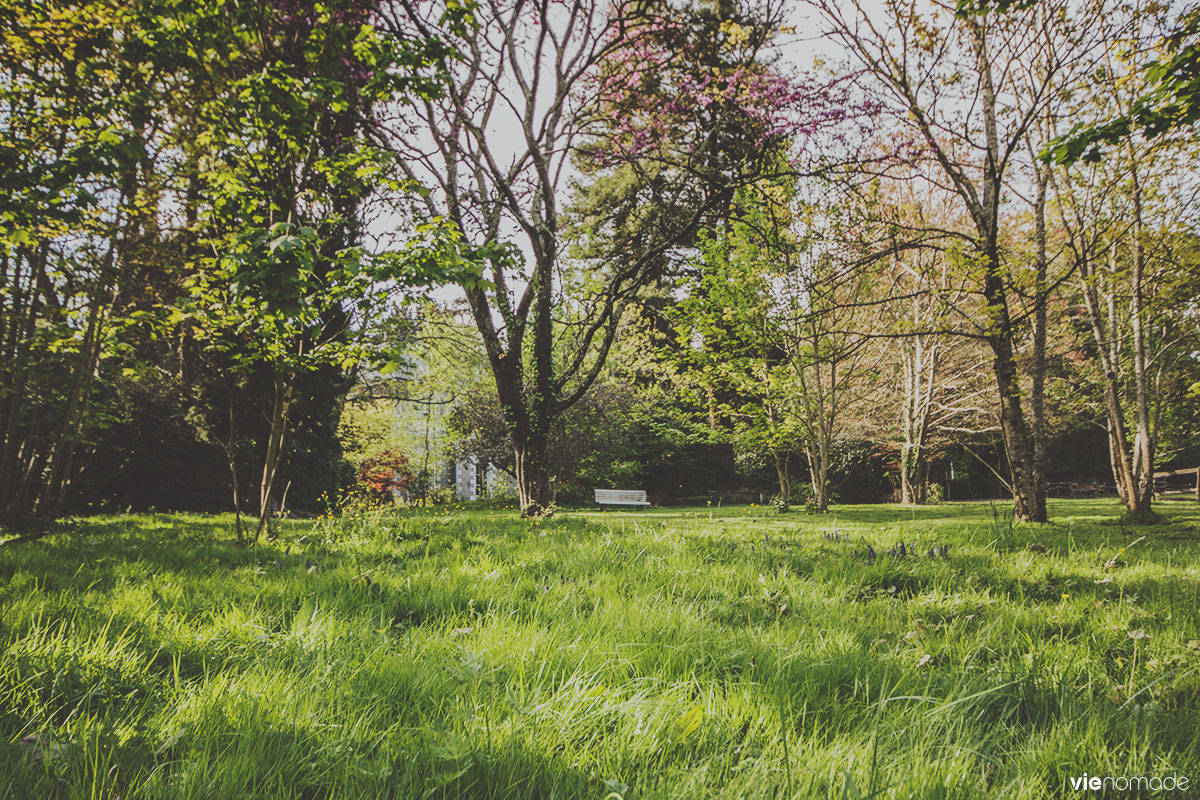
{"points": [[1170, 102]]}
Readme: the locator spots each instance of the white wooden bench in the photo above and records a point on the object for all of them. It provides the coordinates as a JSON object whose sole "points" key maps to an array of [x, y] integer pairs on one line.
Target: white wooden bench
{"points": [[621, 497]]}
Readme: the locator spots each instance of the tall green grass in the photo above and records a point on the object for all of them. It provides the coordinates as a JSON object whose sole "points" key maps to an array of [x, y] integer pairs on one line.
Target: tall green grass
{"points": [[671, 653]]}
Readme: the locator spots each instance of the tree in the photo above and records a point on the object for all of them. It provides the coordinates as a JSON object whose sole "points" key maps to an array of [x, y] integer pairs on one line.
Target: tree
{"points": [[289, 292], [729, 343], [826, 307], [535, 86], [1117, 216], [777, 330], [936, 392], [79, 116], [150, 145], [1120, 241], [951, 85]]}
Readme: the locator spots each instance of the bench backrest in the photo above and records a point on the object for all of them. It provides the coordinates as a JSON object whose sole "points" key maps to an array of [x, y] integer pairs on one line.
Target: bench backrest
{"points": [[622, 497]]}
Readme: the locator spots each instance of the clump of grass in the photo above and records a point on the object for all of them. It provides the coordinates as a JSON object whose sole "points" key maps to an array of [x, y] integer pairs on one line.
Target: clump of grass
{"points": [[1002, 526], [1141, 518], [464, 652]]}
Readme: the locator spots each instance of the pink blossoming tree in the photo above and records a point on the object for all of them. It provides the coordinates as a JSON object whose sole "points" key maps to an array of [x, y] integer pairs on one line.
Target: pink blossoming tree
{"points": [[547, 98]]}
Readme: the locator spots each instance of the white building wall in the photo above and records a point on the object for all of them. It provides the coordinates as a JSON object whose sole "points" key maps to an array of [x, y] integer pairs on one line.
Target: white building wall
{"points": [[474, 483], [466, 483]]}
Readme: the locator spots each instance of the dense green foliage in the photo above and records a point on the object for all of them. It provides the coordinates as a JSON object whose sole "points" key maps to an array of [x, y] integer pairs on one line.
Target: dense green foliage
{"points": [[691, 653], [183, 281]]}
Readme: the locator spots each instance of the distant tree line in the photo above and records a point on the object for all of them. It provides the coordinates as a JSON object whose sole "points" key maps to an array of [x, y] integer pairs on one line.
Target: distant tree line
{"points": [[1000, 276], [967, 244]]}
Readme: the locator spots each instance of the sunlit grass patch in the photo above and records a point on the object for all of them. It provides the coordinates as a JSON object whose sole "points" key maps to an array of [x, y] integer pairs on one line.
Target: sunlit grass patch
{"points": [[662, 653]]}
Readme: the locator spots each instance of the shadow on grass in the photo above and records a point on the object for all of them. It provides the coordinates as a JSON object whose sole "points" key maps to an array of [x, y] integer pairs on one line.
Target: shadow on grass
{"points": [[253, 754]]}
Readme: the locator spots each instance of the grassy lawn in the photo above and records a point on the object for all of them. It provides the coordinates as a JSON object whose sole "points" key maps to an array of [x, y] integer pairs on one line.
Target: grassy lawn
{"points": [[669, 653]]}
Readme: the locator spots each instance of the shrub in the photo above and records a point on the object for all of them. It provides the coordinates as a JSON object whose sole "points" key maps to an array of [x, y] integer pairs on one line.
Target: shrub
{"points": [[384, 473]]}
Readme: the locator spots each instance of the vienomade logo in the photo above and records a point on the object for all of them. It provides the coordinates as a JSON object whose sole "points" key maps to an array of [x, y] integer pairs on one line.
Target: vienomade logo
{"points": [[1127, 783]]}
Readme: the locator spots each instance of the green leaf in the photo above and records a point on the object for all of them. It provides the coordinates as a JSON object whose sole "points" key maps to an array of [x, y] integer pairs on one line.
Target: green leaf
{"points": [[286, 244], [687, 723]]}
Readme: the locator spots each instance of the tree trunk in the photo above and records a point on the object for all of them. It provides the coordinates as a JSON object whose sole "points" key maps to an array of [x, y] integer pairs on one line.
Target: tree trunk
{"points": [[781, 471], [1016, 434], [1000, 329], [1143, 441], [237, 499], [1101, 316], [1037, 398], [533, 475], [818, 464], [820, 485], [906, 479], [912, 470], [533, 470], [909, 451], [279, 419], [230, 448], [920, 368], [1017, 441], [530, 438], [922, 482], [1118, 458]]}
